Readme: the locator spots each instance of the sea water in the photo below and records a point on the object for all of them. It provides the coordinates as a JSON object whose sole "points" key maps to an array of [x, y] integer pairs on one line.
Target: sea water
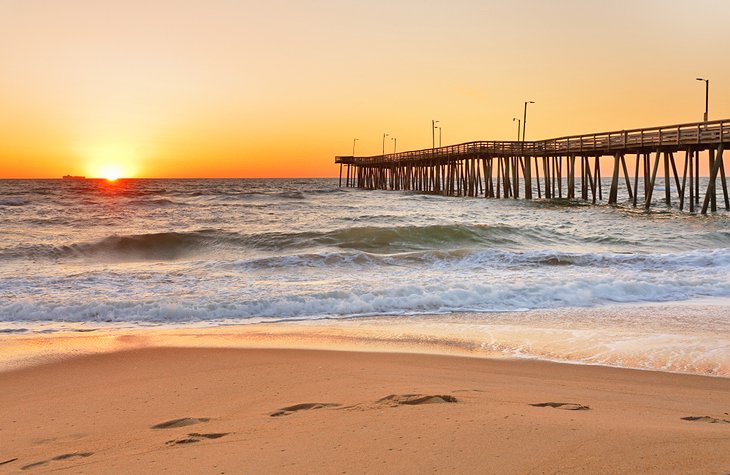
{"points": [[552, 279]]}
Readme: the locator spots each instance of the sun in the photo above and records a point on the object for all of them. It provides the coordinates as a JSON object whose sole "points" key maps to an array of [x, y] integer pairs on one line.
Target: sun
{"points": [[111, 172], [110, 161]]}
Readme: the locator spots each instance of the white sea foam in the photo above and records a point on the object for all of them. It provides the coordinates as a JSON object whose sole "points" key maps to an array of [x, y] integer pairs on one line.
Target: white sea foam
{"points": [[174, 294]]}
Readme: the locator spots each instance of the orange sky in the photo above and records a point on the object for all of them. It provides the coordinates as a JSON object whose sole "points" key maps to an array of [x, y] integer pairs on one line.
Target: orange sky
{"points": [[223, 88]]}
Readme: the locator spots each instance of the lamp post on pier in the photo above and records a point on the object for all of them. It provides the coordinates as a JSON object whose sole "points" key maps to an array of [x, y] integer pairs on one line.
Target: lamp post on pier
{"points": [[519, 122], [384, 135], [439, 127], [524, 119], [395, 143], [353, 146], [707, 95], [527, 172], [433, 133]]}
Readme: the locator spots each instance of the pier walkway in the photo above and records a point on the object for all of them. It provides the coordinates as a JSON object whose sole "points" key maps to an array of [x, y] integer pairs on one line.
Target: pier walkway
{"points": [[504, 169]]}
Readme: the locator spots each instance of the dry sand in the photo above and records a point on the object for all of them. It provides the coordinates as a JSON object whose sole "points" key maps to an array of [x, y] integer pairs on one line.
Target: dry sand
{"points": [[198, 410]]}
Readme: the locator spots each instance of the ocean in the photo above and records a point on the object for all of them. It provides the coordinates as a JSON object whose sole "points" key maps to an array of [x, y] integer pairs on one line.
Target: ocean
{"points": [[549, 279]]}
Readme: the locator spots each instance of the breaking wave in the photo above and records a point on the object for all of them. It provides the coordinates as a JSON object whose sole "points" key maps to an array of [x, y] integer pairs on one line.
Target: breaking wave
{"points": [[190, 300], [495, 244]]}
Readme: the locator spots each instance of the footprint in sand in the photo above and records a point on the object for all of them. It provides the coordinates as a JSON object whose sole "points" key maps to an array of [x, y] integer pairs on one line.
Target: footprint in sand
{"points": [[307, 406], [708, 419], [196, 437], [56, 458], [34, 465], [392, 400], [185, 421], [568, 406], [415, 399], [73, 455]]}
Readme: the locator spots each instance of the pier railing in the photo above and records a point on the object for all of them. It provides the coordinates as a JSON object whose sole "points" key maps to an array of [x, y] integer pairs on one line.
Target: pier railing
{"points": [[603, 143]]}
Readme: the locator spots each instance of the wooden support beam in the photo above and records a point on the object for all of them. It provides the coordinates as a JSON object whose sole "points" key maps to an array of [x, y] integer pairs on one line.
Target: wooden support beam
{"points": [[483, 164], [697, 178], [553, 170], [652, 179], [676, 175], [559, 163], [647, 173], [713, 176], [684, 181], [463, 182], [460, 184], [589, 178], [723, 181], [487, 177], [713, 184], [636, 179], [692, 190], [613, 192], [480, 188], [626, 176], [499, 176], [571, 177], [506, 187], [597, 180], [476, 176], [667, 186]]}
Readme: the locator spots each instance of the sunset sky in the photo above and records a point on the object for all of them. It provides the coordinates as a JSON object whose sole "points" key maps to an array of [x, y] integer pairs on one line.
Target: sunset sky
{"points": [[223, 88]]}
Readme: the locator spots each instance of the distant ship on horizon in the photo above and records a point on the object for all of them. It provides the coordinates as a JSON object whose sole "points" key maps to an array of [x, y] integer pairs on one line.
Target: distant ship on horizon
{"points": [[74, 177]]}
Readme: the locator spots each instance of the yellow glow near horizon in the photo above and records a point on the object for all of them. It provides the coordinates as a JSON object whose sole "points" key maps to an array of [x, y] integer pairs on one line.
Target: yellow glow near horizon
{"points": [[110, 162]]}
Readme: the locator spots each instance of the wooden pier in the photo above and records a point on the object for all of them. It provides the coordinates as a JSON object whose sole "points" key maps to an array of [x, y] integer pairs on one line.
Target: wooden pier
{"points": [[565, 167]]}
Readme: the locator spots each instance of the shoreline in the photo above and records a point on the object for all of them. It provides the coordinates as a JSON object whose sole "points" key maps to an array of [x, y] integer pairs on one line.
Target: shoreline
{"points": [[665, 337], [227, 410]]}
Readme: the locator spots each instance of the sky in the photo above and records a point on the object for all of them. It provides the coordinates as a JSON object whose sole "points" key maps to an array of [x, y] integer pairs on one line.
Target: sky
{"points": [[223, 88]]}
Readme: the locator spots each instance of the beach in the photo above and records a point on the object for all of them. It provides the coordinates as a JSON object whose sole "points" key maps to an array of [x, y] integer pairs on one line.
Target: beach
{"points": [[289, 326], [320, 237], [224, 410]]}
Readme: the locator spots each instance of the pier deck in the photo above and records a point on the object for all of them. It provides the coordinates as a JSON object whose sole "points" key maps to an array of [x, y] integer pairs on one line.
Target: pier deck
{"points": [[502, 169]]}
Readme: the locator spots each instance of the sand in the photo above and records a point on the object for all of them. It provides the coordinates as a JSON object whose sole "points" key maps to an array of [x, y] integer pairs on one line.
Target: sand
{"points": [[224, 411]]}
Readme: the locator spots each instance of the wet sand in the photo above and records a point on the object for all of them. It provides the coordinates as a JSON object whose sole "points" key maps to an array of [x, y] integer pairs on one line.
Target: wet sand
{"points": [[218, 410]]}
